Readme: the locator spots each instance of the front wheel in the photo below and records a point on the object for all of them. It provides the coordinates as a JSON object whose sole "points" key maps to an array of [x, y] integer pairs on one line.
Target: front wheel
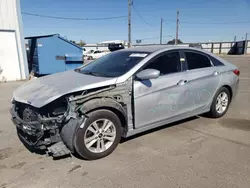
{"points": [[99, 136], [220, 103]]}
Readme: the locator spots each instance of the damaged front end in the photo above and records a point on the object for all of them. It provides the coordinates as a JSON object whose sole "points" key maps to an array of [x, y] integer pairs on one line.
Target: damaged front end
{"points": [[52, 127], [41, 128]]}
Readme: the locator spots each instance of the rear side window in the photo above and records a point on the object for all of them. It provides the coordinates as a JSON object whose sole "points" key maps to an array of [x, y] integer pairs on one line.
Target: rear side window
{"points": [[197, 61], [216, 62]]}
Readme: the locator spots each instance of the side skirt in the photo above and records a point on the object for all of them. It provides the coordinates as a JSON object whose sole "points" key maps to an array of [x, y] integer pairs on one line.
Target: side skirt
{"points": [[164, 122]]}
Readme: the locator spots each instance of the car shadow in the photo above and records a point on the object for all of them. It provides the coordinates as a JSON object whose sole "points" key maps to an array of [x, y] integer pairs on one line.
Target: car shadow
{"points": [[123, 140], [158, 128]]}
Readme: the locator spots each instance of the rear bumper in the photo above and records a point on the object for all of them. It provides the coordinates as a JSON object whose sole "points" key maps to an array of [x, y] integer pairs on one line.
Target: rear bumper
{"points": [[235, 89]]}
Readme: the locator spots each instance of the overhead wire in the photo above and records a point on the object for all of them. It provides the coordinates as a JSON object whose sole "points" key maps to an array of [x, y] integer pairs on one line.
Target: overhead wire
{"points": [[71, 18], [140, 16], [207, 23], [164, 21], [148, 38]]}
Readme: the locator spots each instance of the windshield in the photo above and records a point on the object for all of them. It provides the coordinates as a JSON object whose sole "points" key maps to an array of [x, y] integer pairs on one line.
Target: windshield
{"points": [[113, 64]]}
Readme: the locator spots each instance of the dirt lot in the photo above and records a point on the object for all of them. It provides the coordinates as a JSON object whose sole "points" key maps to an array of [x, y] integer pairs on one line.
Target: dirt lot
{"points": [[195, 153]]}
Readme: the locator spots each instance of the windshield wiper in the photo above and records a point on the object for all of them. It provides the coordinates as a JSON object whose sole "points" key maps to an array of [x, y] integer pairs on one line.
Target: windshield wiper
{"points": [[96, 74], [77, 69]]}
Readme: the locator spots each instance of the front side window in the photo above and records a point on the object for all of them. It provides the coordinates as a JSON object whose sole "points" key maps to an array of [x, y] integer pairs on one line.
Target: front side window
{"points": [[166, 64], [197, 61], [113, 64]]}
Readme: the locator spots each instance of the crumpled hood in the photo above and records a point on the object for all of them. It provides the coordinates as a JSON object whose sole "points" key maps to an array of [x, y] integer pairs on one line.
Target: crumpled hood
{"points": [[41, 91]]}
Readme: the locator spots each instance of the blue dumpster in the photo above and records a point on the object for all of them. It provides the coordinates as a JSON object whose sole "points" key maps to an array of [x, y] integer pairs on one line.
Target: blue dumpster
{"points": [[51, 54]]}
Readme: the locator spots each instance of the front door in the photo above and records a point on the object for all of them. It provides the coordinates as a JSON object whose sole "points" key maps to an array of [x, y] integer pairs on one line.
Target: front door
{"points": [[158, 99]]}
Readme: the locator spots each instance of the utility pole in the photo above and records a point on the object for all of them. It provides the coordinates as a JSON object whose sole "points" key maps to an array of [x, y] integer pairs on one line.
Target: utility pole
{"points": [[234, 39], [177, 27], [245, 49], [161, 32], [129, 23]]}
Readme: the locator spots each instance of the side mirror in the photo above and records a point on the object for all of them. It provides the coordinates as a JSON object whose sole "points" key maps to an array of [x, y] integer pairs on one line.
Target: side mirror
{"points": [[148, 74]]}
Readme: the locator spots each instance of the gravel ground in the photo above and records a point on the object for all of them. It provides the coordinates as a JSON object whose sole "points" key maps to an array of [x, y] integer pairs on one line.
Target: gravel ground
{"points": [[197, 152]]}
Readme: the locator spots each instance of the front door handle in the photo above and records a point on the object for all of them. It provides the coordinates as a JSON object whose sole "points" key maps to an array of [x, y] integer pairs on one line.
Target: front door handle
{"points": [[182, 82]]}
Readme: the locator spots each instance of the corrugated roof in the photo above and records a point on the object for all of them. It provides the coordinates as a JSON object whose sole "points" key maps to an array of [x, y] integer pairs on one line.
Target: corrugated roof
{"points": [[41, 36], [52, 35]]}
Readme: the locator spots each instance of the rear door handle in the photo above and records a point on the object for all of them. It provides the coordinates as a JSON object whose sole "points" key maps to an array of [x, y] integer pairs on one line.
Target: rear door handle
{"points": [[216, 73], [182, 82]]}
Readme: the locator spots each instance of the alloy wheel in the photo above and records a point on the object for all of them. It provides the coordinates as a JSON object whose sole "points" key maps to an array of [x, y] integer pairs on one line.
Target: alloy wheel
{"points": [[100, 135], [221, 102]]}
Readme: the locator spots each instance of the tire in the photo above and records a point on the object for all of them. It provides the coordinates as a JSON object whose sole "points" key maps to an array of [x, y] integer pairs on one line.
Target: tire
{"points": [[213, 113], [80, 138]]}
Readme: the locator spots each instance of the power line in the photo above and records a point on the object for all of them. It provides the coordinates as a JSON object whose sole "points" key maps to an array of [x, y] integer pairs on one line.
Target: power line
{"points": [[164, 21], [168, 36], [204, 8], [68, 18], [207, 23], [140, 16]]}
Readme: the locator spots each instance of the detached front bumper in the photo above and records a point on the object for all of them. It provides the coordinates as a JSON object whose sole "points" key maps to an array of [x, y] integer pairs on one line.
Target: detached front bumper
{"points": [[34, 134]]}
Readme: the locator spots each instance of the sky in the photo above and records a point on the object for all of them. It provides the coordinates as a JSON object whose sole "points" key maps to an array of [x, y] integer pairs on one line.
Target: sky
{"points": [[200, 20]]}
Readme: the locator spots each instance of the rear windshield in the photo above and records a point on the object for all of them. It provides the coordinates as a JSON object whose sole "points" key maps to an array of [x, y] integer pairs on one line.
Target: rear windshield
{"points": [[114, 64]]}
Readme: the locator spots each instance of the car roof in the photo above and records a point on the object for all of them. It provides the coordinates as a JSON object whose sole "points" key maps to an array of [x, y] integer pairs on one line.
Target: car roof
{"points": [[154, 48]]}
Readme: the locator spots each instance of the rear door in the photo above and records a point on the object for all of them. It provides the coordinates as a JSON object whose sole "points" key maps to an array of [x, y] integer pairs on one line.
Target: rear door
{"points": [[203, 79]]}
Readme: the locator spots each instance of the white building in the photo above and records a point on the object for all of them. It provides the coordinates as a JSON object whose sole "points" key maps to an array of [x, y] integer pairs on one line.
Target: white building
{"points": [[103, 46], [106, 43], [13, 59]]}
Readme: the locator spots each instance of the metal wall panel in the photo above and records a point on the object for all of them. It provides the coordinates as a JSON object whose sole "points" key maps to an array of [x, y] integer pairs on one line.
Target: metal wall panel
{"points": [[216, 50], [216, 45], [50, 47], [226, 45], [225, 50], [206, 45], [9, 61], [11, 20]]}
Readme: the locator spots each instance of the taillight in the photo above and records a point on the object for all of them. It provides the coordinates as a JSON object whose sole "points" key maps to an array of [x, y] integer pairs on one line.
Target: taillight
{"points": [[237, 72]]}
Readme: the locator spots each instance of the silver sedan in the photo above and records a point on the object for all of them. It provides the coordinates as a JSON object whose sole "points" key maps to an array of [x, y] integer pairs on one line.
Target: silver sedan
{"points": [[87, 110]]}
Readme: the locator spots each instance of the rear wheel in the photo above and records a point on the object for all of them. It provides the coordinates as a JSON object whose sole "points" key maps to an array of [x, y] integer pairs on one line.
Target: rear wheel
{"points": [[220, 103], [99, 136]]}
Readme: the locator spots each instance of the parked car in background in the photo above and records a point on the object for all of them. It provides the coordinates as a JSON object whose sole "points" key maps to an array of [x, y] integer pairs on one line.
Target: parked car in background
{"points": [[196, 45], [114, 47], [126, 92], [95, 54], [85, 53]]}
